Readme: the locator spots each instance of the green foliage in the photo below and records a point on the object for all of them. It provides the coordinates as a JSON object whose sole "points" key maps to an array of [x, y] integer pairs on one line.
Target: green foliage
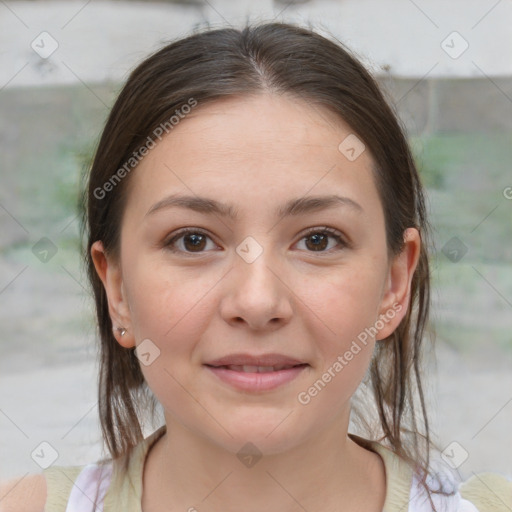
{"points": [[430, 160]]}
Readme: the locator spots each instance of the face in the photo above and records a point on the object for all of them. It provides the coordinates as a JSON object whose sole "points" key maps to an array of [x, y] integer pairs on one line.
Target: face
{"points": [[256, 282]]}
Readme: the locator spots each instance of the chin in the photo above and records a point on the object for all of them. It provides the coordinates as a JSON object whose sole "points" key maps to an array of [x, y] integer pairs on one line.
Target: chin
{"points": [[268, 439]]}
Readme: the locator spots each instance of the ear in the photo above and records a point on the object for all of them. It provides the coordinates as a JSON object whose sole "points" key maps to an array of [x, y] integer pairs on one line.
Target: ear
{"points": [[397, 290], [110, 274]]}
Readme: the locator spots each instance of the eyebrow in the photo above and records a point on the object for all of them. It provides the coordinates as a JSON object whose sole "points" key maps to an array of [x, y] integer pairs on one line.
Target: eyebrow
{"points": [[298, 206]]}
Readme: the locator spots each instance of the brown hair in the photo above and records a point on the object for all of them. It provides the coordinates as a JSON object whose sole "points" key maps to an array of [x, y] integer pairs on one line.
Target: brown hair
{"points": [[284, 59]]}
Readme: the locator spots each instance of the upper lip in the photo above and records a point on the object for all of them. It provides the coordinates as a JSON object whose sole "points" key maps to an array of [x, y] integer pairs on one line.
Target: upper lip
{"points": [[255, 360]]}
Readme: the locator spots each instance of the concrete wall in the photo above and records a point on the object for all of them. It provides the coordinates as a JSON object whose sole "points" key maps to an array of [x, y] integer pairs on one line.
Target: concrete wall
{"points": [[451, 104]]}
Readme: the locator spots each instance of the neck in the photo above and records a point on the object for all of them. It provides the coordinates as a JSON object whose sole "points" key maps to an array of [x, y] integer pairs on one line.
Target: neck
{"points": [[184, 471]]}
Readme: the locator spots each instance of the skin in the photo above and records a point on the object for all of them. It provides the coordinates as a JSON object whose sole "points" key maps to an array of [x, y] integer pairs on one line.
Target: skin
{"points": [[256, 153]]}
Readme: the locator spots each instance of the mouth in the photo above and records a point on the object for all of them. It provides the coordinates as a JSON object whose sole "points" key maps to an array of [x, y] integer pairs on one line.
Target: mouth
{"points": [[256, 369], [256, 379]]}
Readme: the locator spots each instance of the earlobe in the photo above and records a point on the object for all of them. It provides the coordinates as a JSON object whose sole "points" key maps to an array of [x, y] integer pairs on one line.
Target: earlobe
{"points": [[110, 274], [395, 300]]}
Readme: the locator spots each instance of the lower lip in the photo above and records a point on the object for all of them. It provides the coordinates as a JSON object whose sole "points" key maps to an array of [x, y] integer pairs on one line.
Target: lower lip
{"points": [[248, 381]]}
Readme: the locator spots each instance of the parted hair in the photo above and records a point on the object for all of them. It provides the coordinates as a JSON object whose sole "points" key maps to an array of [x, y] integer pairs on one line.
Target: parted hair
{"points": [[278, 58]]}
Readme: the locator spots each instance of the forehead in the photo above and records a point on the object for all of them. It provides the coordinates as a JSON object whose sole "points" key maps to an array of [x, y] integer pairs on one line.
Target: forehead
{"points": [[254, 150]]}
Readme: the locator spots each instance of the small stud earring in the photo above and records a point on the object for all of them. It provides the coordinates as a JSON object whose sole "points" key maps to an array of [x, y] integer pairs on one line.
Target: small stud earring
{"points": [[121, 330]]}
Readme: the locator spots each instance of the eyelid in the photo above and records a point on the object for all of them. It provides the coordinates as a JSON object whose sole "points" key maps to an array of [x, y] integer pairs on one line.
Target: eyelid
{"points": [[168, 242], [343, 241], [326, 229]]}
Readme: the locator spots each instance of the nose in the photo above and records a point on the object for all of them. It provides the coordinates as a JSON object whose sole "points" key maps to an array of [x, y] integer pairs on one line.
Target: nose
{"points": [[256, 294]]}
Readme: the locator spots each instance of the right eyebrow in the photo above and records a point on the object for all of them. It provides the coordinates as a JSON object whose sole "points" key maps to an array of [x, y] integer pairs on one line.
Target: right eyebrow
{"points": [[297, 206]]}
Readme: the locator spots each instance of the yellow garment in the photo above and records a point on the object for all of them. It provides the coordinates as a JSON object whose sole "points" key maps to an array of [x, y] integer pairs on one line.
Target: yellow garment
{"points": [[488, 492]]}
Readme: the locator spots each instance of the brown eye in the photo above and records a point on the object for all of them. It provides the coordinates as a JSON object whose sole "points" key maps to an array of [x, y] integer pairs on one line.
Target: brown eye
{"points": [[193, 241], [317, 239], [196, 241]]}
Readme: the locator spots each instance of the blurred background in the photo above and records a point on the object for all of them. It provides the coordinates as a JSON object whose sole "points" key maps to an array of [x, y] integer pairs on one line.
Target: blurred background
{"points": [[446, 68]]}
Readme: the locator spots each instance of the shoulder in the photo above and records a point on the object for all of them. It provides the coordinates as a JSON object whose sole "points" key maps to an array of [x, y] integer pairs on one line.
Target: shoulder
{"points": [[488, 491], [81, 487], [54, 488], [23, 494], [484, 492]]}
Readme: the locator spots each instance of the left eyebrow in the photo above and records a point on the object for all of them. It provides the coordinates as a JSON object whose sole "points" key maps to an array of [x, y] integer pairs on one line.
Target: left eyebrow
{"points": [[298, 206]]}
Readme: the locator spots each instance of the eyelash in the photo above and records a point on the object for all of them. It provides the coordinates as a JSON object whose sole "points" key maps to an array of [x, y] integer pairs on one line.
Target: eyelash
{"points": [[196, 231]]}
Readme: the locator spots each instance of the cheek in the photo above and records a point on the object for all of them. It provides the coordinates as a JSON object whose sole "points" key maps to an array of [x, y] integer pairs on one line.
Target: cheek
{"points": [[164, 301], [345, 302], [172, 312], [345, 308]]}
